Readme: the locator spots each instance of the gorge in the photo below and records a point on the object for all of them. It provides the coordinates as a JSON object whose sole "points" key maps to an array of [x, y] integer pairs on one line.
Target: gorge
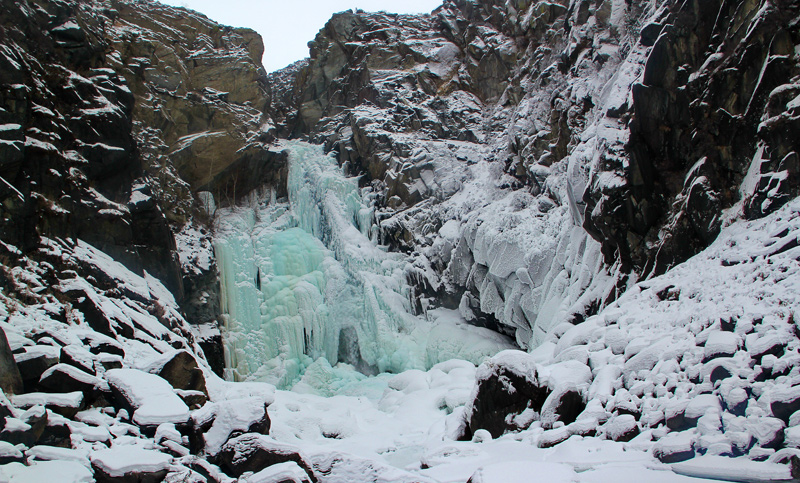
{"points": [[503, 239]]}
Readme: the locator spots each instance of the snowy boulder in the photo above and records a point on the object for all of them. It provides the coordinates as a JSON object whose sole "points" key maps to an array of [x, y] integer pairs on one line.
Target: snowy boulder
{"points": [[289, 472], [512, 391], [760, 345], [719, 368], [181, 371], [254, 452], [674, 447], [54, 453], [67, 378], [5, 410], [622, 428], [552, 437], [768, 432], [65, 404], [721, 344], [507, 385], [563, 404], [75, 355], [215, 423], [791, 437], [9, 453], [129, 464], [645, 359], [784, 402], [34, 362], [150, 398], [26, 429], [684, 414]]}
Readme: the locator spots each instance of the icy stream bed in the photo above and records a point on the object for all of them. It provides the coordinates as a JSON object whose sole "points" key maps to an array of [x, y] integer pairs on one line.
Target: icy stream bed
{"points": [[303, 279]]}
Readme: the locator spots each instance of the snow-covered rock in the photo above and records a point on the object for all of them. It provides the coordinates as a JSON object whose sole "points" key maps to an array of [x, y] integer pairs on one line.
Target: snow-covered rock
{"points": [[150, 398]]}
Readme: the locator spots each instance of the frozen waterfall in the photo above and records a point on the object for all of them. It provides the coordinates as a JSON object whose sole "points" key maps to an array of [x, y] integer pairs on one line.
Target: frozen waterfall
{"points": [[304, 279]]}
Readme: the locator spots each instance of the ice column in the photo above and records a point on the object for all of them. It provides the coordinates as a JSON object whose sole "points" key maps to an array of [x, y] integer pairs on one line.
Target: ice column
{"points": [[303, 280]]}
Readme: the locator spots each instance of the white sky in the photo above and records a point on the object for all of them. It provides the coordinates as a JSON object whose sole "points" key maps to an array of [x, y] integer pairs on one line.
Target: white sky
{"points": [[288, 25]]}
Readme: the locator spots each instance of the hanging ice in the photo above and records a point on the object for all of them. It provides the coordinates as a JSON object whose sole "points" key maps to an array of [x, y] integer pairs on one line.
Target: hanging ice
{"points": [[303, 279]]}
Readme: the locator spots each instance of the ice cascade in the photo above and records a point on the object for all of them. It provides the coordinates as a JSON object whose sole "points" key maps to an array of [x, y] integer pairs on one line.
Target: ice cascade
{"points": [[304, 279]]}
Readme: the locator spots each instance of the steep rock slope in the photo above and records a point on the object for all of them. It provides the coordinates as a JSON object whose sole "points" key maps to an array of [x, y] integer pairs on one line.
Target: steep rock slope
{"points": [[115, 115], [491, 131]]}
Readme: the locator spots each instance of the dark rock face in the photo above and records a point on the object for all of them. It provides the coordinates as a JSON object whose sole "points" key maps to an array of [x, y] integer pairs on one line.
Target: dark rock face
{"points": [[697, 125]]}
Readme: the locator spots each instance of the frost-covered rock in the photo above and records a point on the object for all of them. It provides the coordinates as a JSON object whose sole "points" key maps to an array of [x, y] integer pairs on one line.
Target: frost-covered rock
{"points": [[150, 398], [67, 404], [253, 452], [512, 391], [123, 464], [216, 422]]}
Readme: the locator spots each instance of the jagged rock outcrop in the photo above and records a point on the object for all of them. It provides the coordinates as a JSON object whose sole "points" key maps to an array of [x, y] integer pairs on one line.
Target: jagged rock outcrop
{"points": [[713, 99], [114, 116], [638, 123]]}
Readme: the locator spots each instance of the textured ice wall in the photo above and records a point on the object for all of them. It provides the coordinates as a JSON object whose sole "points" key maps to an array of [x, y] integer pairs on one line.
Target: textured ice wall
{"points": [[303, 279]]}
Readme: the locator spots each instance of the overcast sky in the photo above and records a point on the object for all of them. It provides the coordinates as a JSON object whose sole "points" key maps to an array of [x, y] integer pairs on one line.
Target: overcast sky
{"points": [[288, 25]]}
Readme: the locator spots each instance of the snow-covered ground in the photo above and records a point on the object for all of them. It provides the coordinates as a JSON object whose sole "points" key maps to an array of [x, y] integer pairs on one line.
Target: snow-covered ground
{"points": [[712, 340]]}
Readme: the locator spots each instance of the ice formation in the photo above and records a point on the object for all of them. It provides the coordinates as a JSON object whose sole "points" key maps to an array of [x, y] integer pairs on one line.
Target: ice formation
{"points": [[304, 278]]}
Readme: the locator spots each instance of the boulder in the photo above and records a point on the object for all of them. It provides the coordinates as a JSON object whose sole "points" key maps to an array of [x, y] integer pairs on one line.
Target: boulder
{"points": [[506, 387], [129, 464], [75, 355], [215, 423], [512, 391], [674, 447], [34, 362], [27, 428], [65, 404], [254, 452], [66, 378], [181, 371], [768, 432], [58, 432], [10, 378], [721, 344], [149, 398], [682, 415], [784, 402], [9, 453], [622, 428]]}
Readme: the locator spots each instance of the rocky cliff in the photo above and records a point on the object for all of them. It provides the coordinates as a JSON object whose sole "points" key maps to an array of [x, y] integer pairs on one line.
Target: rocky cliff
{"points": [[537, 167], [487, 133], [650, 125], [115, 116]]}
